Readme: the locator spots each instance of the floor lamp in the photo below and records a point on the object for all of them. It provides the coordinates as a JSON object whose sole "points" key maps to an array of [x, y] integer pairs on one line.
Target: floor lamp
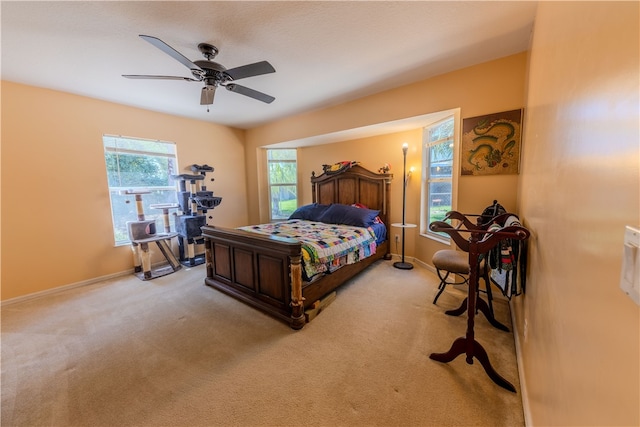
{"points": [[402, 264]]}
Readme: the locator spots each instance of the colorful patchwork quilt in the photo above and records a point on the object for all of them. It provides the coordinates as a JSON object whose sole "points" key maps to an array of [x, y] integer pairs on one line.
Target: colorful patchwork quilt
{"points": [[325, 247]]}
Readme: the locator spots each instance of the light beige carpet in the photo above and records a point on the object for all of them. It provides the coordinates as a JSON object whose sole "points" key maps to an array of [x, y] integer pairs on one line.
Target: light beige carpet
{"points": [[173, 352]]}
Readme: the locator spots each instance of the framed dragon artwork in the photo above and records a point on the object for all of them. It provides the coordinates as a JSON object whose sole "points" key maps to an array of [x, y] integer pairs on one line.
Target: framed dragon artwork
{"points": [[491, 143]]}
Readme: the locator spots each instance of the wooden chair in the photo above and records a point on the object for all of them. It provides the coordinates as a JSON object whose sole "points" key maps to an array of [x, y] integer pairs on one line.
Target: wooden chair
{"points": [[449, 262], [452, 267]]}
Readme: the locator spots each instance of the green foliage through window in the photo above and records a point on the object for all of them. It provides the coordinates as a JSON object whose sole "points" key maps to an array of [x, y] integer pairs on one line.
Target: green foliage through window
{"points": [[138, 164], [283, 182], [439, 154]]}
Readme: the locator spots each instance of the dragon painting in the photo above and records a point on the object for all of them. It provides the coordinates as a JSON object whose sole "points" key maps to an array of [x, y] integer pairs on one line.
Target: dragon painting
{"points": [[491, 146]]}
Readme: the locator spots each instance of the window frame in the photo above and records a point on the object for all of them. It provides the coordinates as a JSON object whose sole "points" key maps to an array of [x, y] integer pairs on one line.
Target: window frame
{"points": [[270, 186], [150, 214], [427, 178]]}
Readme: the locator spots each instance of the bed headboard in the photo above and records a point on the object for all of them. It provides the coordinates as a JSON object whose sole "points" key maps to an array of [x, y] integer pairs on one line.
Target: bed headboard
{"points": [[354, 185]]}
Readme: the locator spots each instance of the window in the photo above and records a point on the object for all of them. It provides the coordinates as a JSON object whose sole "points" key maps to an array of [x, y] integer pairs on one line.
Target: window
{"points": [[283, 182], [138, 164], [438, 188]]}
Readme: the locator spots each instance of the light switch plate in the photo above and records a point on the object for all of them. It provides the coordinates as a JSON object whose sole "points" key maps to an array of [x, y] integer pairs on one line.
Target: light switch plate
{"points": [[630, 276]]}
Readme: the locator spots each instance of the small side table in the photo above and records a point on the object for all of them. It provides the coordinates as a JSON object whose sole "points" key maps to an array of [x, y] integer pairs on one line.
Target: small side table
{"points": [[402, 264]]}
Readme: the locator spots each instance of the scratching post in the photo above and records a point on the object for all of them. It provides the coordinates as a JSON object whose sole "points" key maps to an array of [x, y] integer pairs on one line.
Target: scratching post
{"points": [[142, 232], [194, 204]]}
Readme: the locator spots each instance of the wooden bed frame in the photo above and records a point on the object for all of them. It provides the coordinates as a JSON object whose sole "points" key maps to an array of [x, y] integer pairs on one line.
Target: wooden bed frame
{"points": [[266, 271]]}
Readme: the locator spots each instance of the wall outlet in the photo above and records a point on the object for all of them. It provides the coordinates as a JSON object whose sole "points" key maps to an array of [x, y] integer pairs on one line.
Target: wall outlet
{"points": [[397, 238]]}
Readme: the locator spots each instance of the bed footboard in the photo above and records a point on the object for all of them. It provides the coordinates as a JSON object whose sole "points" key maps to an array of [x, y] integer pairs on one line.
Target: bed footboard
{"points": [[263, 271], [266, 271]]}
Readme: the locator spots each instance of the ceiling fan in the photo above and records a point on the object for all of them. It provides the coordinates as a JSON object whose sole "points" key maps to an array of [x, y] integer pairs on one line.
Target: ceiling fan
{"points": [[211, 73]]}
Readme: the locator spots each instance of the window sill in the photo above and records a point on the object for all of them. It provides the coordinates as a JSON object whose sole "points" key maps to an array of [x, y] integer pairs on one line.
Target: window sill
{"points": [[437, 238]]}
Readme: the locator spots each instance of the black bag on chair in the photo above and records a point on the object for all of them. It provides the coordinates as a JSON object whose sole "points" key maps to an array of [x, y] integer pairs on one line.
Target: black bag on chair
{"points": [[491, 211], [504, 257]]}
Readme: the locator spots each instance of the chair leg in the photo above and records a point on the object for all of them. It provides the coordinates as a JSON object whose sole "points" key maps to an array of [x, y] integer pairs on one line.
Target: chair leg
{"points": [[442, 285]]}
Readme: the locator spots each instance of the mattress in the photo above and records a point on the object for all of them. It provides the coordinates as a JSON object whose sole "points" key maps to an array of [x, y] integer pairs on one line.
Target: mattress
{"points": [[325, 247]]}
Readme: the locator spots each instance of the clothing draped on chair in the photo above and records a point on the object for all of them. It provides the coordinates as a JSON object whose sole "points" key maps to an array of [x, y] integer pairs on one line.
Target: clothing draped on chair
{"points": [[505, 260]]}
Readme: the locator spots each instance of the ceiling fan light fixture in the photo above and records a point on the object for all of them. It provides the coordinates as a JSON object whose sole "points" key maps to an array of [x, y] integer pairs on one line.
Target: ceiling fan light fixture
{"points": [[207, 95]]}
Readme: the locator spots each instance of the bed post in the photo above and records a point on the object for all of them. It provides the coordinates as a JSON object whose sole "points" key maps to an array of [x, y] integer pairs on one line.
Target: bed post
{"points": [[297, 300], [387, 212], [314, 198], [208, 256]]}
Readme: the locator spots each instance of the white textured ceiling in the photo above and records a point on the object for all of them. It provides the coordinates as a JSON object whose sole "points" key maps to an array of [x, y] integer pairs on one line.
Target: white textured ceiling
{"points": [[324, 53]]}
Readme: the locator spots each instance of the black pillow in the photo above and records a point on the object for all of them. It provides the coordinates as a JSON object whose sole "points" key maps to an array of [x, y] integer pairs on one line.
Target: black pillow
{"points": [[309, 212], [348, 215]]}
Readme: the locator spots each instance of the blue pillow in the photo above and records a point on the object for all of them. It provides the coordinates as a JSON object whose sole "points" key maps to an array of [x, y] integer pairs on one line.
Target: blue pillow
{"points": [[348, 215], [309, 212]]}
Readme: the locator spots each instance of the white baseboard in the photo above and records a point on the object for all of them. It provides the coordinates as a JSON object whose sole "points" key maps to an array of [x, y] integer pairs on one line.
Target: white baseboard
{"points": [[75, 285], [63, 288], [397, 257], [523, 385]]}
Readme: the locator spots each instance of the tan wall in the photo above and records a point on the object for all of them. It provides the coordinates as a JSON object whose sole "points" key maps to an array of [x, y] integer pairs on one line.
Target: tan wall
{"points": [[486, 88], [56, 221], [580, 186]]}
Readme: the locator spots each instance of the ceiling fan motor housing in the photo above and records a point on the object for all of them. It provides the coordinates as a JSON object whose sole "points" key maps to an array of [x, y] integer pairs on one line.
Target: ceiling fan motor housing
{"points": [[213, 72]]}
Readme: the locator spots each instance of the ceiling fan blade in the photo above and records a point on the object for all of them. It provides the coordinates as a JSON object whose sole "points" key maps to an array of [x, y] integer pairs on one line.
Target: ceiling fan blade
{"points": [[138, 76], [250, 70], [207, 94], [250, 93], [170, 51]]}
